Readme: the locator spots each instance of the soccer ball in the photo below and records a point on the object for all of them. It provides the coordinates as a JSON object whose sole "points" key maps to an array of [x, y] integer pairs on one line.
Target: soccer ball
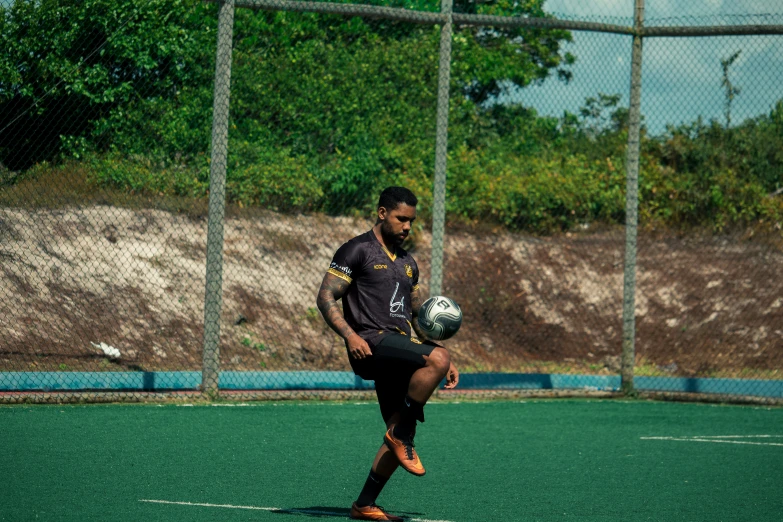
{"points": [[440, 318]]}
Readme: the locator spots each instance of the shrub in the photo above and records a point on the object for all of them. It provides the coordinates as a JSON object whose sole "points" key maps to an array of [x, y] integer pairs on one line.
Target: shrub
{"points": [[276, 181]]}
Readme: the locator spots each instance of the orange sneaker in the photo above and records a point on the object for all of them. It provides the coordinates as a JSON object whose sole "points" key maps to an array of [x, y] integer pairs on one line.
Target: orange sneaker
{"points": [[372, 512], [403, 450]]}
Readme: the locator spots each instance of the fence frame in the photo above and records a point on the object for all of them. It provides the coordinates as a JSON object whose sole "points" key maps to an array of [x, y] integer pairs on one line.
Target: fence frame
{"points": [[445, 18], [628, 356], [213, 294], [209, 385], [441, 149]]}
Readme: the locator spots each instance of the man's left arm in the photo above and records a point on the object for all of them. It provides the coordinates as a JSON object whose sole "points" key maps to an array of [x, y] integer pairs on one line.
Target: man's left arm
{"points": [[452, 377], [416, 302]]}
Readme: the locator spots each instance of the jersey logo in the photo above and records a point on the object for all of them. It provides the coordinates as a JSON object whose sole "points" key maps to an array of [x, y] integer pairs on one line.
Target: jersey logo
{"points": [[344, 269], [380, 267], [396, 307], [408, 271]]}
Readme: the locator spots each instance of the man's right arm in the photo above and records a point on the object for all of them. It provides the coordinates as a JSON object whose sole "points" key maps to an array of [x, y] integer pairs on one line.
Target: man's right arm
{"points": [[332, 289]]}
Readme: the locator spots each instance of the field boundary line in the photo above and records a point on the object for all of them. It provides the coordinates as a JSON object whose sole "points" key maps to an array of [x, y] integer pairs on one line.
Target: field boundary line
{"points": [[736, 436], [203, 504], [718, 440], [270, 509]]}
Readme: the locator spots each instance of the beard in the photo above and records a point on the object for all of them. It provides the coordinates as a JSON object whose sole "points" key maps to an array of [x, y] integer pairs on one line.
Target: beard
{"points": [[388, 234]]}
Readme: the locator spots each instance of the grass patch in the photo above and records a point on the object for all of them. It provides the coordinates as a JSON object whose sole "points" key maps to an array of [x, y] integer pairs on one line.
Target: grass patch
{"points": [[72, 184]]}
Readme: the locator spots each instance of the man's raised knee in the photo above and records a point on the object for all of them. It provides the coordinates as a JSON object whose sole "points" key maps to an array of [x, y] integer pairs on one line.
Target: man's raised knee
{"points": [[439, 359]]}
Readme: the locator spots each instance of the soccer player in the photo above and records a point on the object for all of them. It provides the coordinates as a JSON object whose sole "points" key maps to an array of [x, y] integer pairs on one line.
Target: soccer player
{"points": [[378, 283]]}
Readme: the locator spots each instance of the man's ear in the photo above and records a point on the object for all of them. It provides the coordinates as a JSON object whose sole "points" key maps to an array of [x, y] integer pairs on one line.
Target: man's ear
{"points": [[382, 213]]}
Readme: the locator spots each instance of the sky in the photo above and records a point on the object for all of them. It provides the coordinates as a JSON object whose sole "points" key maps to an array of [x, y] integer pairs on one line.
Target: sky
{"points": [[681, 77], [655, 9]]}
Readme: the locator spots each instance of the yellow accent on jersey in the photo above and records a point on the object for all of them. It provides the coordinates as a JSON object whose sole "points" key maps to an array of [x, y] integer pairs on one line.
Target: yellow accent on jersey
{"points": [[408, 271], [393, 257], [339, 274]]}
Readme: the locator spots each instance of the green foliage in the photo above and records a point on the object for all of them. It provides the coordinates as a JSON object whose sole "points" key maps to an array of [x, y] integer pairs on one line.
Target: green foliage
{"points": [[67, 64], [143, 175], [356, 99], [274, 180], [326, 111], [346, 106], [535, 193], [247, 341], [706, 174]]}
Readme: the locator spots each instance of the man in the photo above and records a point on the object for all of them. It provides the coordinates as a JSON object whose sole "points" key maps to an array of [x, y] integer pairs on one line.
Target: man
{"points": [[378, 282]]}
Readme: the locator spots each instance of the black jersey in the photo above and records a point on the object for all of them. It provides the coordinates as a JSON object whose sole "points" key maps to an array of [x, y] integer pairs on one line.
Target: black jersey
{"points": [[378, 301]]}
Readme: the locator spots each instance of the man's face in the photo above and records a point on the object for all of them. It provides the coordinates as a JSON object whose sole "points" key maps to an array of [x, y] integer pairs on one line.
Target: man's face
{"points": [[396, 224]]}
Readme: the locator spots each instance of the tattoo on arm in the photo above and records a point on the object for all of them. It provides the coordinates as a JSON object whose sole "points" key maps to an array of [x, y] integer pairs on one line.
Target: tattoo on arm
{"points": [[332, 289], [419, 332], [416, 302]]}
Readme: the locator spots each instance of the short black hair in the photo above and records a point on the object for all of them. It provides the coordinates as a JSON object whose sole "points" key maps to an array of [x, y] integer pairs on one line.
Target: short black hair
{"points": [[391, 197]]}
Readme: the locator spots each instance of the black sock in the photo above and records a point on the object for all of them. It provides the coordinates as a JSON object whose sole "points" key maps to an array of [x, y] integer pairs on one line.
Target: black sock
{"points": [[372, 488], [410, 412]]}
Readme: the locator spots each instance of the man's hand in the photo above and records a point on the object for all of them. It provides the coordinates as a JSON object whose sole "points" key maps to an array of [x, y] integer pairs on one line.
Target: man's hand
{"points": [[358, 347], [452, 377]]}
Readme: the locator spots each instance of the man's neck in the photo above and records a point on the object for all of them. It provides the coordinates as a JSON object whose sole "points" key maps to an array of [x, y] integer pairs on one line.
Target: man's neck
{"points": [[391, 247]]}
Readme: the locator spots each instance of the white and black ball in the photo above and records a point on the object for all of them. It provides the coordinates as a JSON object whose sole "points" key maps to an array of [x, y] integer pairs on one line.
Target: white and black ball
{"points": [[440, 317]]}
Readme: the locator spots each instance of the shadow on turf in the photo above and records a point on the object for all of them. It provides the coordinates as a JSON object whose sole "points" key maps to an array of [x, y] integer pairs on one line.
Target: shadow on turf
{"points": [[326, 512]]}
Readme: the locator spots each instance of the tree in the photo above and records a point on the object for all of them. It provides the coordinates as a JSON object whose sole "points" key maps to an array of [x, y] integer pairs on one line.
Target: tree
{"points": [[68, 63], [489, 61], [731, 91], [350, 101]]}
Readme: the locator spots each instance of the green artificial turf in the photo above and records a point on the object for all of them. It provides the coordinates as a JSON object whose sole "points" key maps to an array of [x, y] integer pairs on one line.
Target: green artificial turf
{"points": [[531, 460]]}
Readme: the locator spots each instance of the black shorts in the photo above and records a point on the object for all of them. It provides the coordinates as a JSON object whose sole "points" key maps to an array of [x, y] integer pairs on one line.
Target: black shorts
{"points": [[394, 359]]}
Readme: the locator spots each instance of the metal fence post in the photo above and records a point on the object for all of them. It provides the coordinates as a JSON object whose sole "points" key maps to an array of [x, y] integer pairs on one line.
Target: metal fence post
{"points": [[441, 149], [213, 299], [632, 205]]}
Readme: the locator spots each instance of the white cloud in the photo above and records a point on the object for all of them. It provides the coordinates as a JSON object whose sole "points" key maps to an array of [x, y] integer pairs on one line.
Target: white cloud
{"points": [[681, 77], [662, 8], [590, 8]]}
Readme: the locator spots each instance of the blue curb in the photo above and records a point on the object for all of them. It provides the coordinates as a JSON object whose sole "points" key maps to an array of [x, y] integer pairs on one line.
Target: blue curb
{"points": [[753, 387], [55, 381], [537, 381], [168, 381], [293, 381], [303, 380]]}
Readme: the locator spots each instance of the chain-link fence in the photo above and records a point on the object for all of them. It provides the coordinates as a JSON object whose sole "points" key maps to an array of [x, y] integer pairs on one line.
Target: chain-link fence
{"points": [[176, 175], [709, 304]]}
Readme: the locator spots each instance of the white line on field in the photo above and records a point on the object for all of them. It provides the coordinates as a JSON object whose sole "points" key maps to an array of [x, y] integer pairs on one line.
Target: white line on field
{"points": [[229, 506], [701, 439], [272, 509], [736, 436]]}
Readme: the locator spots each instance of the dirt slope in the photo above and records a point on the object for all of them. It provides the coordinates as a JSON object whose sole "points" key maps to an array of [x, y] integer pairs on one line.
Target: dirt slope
{"points": [[134, 280]]}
